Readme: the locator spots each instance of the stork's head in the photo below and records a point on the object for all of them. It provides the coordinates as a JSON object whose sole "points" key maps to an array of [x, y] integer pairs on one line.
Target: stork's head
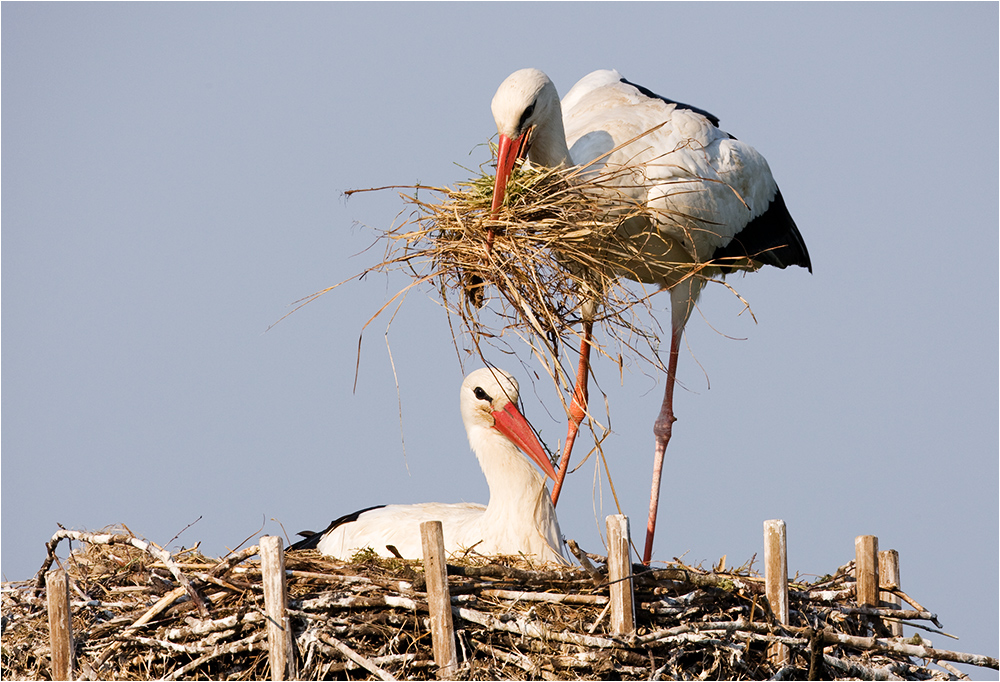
{"points": [[489, 410], [528, 117]]}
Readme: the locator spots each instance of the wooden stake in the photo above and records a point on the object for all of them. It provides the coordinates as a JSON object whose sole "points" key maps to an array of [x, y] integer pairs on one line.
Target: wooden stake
{"points": [[888, 576], [60, 625], [776, 579], [620, 575], [439, 599], [280, 641], [866, 570]]}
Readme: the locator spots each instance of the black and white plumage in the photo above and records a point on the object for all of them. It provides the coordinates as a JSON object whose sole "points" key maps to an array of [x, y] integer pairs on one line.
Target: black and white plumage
{"points": [[717, 206], [520, 517]]}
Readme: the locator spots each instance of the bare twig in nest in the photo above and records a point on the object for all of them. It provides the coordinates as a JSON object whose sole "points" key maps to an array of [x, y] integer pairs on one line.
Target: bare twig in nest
{"points": [[110, 539], [349, 653]]}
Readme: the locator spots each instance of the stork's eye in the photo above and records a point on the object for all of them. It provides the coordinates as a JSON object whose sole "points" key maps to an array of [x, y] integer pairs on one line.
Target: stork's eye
{"points": [[482, 395], [525, 116]]}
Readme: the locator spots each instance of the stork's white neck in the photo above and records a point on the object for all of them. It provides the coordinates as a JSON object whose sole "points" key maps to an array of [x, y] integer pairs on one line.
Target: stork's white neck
{"points": [[548, 140], [517, 488]]}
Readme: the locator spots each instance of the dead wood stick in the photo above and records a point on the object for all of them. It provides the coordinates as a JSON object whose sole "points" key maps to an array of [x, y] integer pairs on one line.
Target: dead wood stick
{"points": [[816, 669], [232, 586], [109, 539], [439, 598], [162, 604], [544, 596], [498, 571], [882, 611], [199, 648], [248, 644], [584, 560], [401, 586], [776, 579], [858, 670], [823, 595], [354, 656], [879, 644], [701, 626], [200, 628], [911, 601], [926, 628], [591, 657], [953, 670], [60, 624], [514, 658], [593, 628], [768, 637], [866, 569], [532, 629], [888, 572], [237, 558], [332, 601], [620, 575], [280, 640], [718, 581], [392, 659]]}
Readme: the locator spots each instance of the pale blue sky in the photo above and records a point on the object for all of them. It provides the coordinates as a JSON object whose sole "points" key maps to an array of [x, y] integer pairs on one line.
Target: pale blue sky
{"points": [[172, 182]]}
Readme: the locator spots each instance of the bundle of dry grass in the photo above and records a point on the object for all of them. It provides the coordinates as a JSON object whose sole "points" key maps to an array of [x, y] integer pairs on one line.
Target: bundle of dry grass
{"points": [[141, 613], [553, 248]]}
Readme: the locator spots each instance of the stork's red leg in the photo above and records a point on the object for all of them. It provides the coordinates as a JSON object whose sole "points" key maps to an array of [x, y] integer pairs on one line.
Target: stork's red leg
{"points": [[577, 409], [661, 429]]}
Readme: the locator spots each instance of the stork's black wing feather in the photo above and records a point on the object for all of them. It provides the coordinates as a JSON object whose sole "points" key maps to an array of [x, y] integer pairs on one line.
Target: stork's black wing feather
{"points": [[771, 239], [680, 105], [310, 539]]}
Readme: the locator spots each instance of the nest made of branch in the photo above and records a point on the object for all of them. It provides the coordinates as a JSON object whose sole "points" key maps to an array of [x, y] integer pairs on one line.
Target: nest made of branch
{"points": [[368, 619]]}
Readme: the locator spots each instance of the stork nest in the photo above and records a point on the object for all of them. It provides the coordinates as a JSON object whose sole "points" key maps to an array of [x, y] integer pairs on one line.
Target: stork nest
{"points": [[141, 613]]}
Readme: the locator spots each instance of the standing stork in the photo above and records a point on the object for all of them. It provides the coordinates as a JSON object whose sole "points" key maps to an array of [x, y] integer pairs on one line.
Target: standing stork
{"points": [[717, 208], [520, 517]]}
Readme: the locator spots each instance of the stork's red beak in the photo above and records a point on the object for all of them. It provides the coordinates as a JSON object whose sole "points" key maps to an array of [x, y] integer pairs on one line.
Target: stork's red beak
{"points": [[507, 155], [512, 424]]}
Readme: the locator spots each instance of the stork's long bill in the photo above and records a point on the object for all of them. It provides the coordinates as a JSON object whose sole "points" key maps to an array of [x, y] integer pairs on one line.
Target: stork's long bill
{"points": [[511, 423], [508, 153]]}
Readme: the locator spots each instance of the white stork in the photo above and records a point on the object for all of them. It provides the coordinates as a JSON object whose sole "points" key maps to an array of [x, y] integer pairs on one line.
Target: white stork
{"points": [[718, 207], [520, 517]]}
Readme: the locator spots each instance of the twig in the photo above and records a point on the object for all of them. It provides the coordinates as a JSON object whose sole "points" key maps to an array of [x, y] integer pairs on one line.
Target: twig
{"points": [[581, 556], [858, 670], [349, 653], [251, 643], [109, 539], [953, 670], [554, 597], [526, 629], [878, 644]]}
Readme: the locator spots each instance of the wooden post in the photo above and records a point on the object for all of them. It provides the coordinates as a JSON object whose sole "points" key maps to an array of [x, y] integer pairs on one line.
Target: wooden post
{"points": [[60, 625], [776, 581], [888, 576], [439, 599], [280, 640], [866, 570], [620, 575]]}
